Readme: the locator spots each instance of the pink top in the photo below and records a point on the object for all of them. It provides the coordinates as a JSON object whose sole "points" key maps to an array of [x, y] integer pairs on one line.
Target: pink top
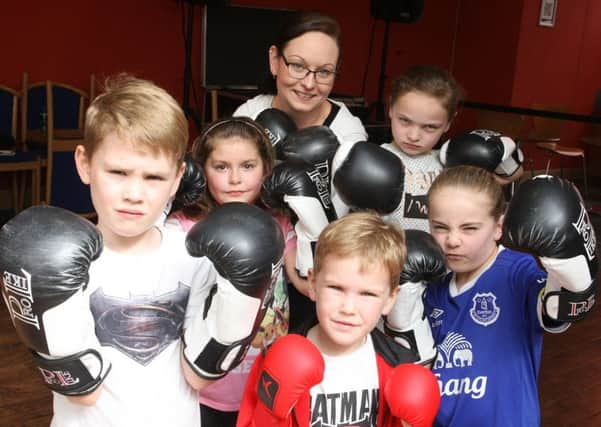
{"points": [[226, 393]]}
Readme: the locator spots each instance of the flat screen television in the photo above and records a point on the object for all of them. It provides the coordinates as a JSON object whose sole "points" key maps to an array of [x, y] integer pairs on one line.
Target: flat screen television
{"points": [[234, 45]]}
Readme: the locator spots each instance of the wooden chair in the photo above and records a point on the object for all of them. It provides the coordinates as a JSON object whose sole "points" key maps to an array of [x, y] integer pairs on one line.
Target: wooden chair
{"points": [[52, 125], [12, 157], [546, 133]]}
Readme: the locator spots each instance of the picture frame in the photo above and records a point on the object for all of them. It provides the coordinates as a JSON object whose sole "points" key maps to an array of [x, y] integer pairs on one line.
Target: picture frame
{"points": [[548, 10]]}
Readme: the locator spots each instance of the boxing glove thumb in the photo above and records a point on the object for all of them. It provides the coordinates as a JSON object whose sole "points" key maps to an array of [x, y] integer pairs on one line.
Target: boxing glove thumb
{"points": [[192, 185], [292, 366], [413, 395], [277, 125]]}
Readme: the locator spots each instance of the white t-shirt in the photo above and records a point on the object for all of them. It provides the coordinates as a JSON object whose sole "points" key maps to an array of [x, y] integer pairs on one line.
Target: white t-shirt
{"points": [[349, 392], [141, 304], [420, 172], [347, 128]]}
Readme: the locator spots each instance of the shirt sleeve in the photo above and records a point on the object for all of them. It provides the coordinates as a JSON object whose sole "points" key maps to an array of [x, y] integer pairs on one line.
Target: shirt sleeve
{"points": [[242, 111], [288, 231], [347, 127], [532, 280]]}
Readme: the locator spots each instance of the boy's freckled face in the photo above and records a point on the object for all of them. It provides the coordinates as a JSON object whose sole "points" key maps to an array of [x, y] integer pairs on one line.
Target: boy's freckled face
{"points": [[130, 186], [349, 302]]}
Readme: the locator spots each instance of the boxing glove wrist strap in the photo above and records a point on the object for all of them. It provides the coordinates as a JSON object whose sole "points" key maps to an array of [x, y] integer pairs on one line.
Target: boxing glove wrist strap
{"points": [[217, 359], [215, 343], [570, 306], [418, 338], [76, 375]]}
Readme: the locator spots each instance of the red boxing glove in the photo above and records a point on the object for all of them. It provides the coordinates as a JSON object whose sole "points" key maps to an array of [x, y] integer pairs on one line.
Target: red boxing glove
{"points": [[292, 366], [413, 395]]}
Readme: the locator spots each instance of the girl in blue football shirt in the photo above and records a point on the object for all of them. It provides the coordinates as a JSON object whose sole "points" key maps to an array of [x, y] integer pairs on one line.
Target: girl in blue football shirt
{"points": [[489, 313]]}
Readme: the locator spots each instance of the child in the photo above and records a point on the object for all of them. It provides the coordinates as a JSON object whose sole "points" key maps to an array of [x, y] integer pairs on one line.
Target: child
{"points": [[104, 308], [423, 103], [488, 315], [358, 261], [236, 155], [132, 158]]}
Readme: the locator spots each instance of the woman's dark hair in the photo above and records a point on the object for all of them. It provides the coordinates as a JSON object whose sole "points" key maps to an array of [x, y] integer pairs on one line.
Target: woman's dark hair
{"points": [[297, 25]]}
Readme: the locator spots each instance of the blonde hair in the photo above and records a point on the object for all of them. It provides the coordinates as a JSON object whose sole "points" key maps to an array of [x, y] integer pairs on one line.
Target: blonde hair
{"points": [[139, 112], [241, 127], [473, 178], [366, 236]]}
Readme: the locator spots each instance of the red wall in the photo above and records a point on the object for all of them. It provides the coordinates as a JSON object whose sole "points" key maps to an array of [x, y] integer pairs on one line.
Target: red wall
{"points": [[67, 40], [487, 39], [560, 65], [484, 53], [495, 48]]}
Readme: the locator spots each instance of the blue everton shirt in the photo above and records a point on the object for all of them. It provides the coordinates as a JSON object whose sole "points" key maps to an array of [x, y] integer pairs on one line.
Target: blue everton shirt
{"points": [[489, 343]]}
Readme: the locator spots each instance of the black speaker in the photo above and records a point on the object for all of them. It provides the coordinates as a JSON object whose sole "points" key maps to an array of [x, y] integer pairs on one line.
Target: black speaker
{"points": [[403, 11]]}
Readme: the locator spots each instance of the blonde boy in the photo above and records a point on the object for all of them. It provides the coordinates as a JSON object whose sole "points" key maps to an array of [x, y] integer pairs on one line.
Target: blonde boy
{"points": [[355, 279], [144, 283]]}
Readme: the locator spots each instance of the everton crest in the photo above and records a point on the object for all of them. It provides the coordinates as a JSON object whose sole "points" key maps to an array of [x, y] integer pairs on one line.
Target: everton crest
{"points": [[484, 309]]}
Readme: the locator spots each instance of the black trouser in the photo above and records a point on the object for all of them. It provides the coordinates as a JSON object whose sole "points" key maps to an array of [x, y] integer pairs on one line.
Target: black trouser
{"points": [[211, 417]]}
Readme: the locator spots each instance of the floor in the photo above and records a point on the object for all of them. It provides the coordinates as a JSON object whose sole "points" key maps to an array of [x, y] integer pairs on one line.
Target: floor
{"points": [[570, 376]]}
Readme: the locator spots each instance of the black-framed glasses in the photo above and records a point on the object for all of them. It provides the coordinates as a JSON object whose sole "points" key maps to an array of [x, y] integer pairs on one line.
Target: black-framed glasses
{"points": [[298, 70]]}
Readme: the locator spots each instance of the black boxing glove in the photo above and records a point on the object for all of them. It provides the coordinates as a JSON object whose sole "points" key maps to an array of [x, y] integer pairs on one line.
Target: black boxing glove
{"points": [[44, 261], [316, 147], [278, 125], [407, 323], [371, 177], [547, 218], [298, 187], [246, 245], [483, 148], [192, 185]]}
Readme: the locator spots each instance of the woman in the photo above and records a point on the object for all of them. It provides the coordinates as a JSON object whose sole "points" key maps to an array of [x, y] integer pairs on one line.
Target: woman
{"points": [[304, 63]]}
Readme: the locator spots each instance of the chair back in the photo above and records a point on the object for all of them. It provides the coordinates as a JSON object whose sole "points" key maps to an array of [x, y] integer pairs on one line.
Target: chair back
{"points": [[68, 106], [35, 112], [9, 102], [53, 119]]}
